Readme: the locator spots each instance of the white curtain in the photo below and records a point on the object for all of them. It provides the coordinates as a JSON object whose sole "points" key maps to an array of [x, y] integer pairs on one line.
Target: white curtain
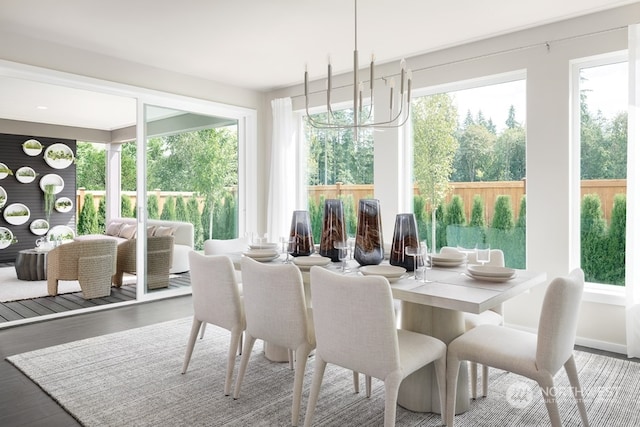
{"points": [[282, 176], [633, 197]]}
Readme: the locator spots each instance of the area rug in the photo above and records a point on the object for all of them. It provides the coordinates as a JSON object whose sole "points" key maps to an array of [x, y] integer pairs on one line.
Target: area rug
{"points": [[134, 378], [12, 289]]}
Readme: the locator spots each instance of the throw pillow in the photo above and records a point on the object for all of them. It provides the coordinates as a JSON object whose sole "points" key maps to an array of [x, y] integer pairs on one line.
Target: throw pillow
{"points": [[128, 231], [114, 229], [150, 230], [164, 231]]}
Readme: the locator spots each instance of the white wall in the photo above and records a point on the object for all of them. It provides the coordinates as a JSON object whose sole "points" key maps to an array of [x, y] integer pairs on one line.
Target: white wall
{"points": [[549, 172]]}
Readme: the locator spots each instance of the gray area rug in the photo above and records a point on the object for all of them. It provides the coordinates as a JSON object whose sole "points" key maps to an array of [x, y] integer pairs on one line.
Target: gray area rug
{"points": [[133, 378]]}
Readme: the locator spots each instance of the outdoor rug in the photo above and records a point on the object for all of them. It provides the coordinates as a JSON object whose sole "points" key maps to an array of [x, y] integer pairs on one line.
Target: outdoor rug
{"points": [[133, 378]]}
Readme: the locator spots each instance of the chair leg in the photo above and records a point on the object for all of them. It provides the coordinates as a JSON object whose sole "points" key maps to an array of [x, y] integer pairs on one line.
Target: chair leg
{"points": [[248, 346], [440, 366], [236, 336], [302, 354], [195, 326], [473, 374], [572, 373], [548, 394], [391, 387], [204, 327], [485, 380], [292, 358], [240, 344], [367, 382], [453, 367], [316, 382], [356, 382]]}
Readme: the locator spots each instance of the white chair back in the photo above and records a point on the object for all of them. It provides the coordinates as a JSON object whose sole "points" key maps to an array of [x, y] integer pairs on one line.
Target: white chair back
{"points": [[559, 321], [220, 247], [215, 293], [354, 317]]}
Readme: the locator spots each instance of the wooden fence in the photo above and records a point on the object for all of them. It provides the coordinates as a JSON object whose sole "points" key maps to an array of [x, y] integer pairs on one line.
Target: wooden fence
{"points": [[488, 191]]}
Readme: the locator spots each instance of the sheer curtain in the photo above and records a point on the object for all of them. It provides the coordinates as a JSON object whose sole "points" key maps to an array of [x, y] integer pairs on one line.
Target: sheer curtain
{"points": [[633, 196], [282, 176]]}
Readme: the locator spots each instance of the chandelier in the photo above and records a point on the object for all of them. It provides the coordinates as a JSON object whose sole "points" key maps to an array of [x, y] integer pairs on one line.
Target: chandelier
{"points": [[399, 103]]}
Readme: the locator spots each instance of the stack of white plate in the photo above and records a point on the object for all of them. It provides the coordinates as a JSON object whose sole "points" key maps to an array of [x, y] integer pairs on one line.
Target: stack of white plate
{"points": [[451, 259], [264, 245], [262, 255], [392, 272], [491, 273], [305, 263]]}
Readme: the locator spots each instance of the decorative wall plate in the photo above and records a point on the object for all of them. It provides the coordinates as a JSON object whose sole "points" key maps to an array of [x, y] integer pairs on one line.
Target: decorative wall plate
{"points": [[3, 197], [63, 204], [6, 237], [39, 227], [25, 175], [16, 214], [53, 179], [62, 232], [58, 156], [4, 171], [32, 147]]}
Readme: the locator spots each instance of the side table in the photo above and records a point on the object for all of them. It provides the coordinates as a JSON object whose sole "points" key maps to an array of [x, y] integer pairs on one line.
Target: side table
{"points": [[31, 265]]}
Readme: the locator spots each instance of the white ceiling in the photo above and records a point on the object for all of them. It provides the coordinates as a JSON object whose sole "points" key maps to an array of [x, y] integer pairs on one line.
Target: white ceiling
{"points": [[263, 45]]}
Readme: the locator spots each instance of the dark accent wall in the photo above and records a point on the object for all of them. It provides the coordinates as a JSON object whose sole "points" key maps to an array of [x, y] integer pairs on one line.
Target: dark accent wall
{"points": [[30, 194]]}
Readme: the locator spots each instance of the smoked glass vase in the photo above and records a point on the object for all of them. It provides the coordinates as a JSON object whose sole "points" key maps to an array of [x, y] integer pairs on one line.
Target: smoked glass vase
{"points": [[405, 233], [369, 247], [333, 229], [300, 236]]}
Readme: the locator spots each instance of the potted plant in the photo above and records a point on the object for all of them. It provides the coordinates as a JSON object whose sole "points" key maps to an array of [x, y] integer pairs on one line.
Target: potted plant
{"points": [[49, 200]]}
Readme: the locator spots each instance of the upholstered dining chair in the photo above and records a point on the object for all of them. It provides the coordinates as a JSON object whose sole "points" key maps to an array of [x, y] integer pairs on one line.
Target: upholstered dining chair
{"points": [[356, 329], [538, 357], [276, 312], [493, 316], [216, 300]]}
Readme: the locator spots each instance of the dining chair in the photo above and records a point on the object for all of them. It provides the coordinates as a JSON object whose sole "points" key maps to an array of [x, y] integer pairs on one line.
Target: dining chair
{"points": [[277, 313], [493, 316], [538, 357], [356, 329], [216, 300]]}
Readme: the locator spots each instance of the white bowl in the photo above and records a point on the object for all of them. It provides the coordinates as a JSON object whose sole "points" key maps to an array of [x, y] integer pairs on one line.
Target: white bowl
{"points": [[306, 262], [388, 271], [490, 271]]}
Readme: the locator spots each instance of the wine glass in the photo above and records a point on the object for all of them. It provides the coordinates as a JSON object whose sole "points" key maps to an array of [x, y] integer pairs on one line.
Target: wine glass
{"points": [[283, 245], [343, 250], [291, 249], [483, 253], [351, 243], [423, 264], [415, 252]]}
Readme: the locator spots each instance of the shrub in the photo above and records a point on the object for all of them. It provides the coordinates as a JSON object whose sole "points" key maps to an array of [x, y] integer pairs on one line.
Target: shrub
{"points": [[169, 209], [88, 220], [616, 242], [592, 235], [502, 214], [181, 209], [126, 211], [455, 211], [193, 216], [477, 212], [102, 214], [152, 207]]}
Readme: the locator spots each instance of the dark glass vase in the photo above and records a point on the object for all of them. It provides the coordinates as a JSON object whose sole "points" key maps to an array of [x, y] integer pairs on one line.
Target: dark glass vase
{"points": [[300, 236], [333, 229], [369, 248], [405, 233]]}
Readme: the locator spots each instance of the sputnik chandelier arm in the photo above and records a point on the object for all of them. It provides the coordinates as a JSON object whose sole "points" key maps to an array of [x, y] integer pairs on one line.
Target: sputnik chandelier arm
{"points": [[398, 109]]}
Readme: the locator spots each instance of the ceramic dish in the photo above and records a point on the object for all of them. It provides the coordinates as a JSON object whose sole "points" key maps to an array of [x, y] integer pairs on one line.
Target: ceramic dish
{"points": [[389, 271], [447, 260], [16, 214], [58, 156], [52, 179], [39, 227], [266, 245], [491, 278], [306, 262], [61, 232], [63, 204], [265, 258], [3, 168], [490, 271], [3, 197], [25, 175], [6, 237], [32, 147]]}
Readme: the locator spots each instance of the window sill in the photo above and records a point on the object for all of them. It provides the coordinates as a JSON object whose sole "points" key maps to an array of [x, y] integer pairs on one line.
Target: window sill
{"points": [[604, 294]]}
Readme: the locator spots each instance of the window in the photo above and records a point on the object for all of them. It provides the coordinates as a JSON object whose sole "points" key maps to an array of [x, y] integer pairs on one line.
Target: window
{"points": [[339, 166], [469, 165], [603, 99]]}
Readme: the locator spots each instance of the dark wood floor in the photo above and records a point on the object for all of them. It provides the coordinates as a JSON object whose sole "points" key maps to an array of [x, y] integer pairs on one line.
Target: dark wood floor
{"points": [[22, 403]]}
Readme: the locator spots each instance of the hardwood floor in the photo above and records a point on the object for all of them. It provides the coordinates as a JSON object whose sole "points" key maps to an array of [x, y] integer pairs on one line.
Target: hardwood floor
{"points": [[22, 403]]}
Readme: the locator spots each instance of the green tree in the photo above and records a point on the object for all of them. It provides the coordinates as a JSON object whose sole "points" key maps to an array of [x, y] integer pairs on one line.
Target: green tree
{"points": [[102, 215], [435, 120], [592, 238], [126, 210], [152, 207], [502, 214], [617, 238], [522, 213], [509, 156], [474, 154], [90, 167], [181, 210], [169, 209], [193, 216], [88, 219], [455, 211], [477, 212]]}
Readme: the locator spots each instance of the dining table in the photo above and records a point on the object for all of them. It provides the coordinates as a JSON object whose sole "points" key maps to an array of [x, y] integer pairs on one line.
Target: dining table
{"points": [[434, 307]]}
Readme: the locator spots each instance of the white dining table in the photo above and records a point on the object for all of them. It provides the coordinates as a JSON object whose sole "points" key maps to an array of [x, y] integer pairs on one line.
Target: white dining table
{"points": [[434, 308]]}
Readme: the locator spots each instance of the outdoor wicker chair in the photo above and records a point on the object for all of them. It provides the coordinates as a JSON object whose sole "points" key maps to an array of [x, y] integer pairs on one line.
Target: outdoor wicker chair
{"points": [[91, 262], [159, 259]]}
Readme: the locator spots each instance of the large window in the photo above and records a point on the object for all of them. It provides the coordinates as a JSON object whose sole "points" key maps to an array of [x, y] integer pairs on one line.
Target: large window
{"points": [[603, 100], [469, 167]]}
